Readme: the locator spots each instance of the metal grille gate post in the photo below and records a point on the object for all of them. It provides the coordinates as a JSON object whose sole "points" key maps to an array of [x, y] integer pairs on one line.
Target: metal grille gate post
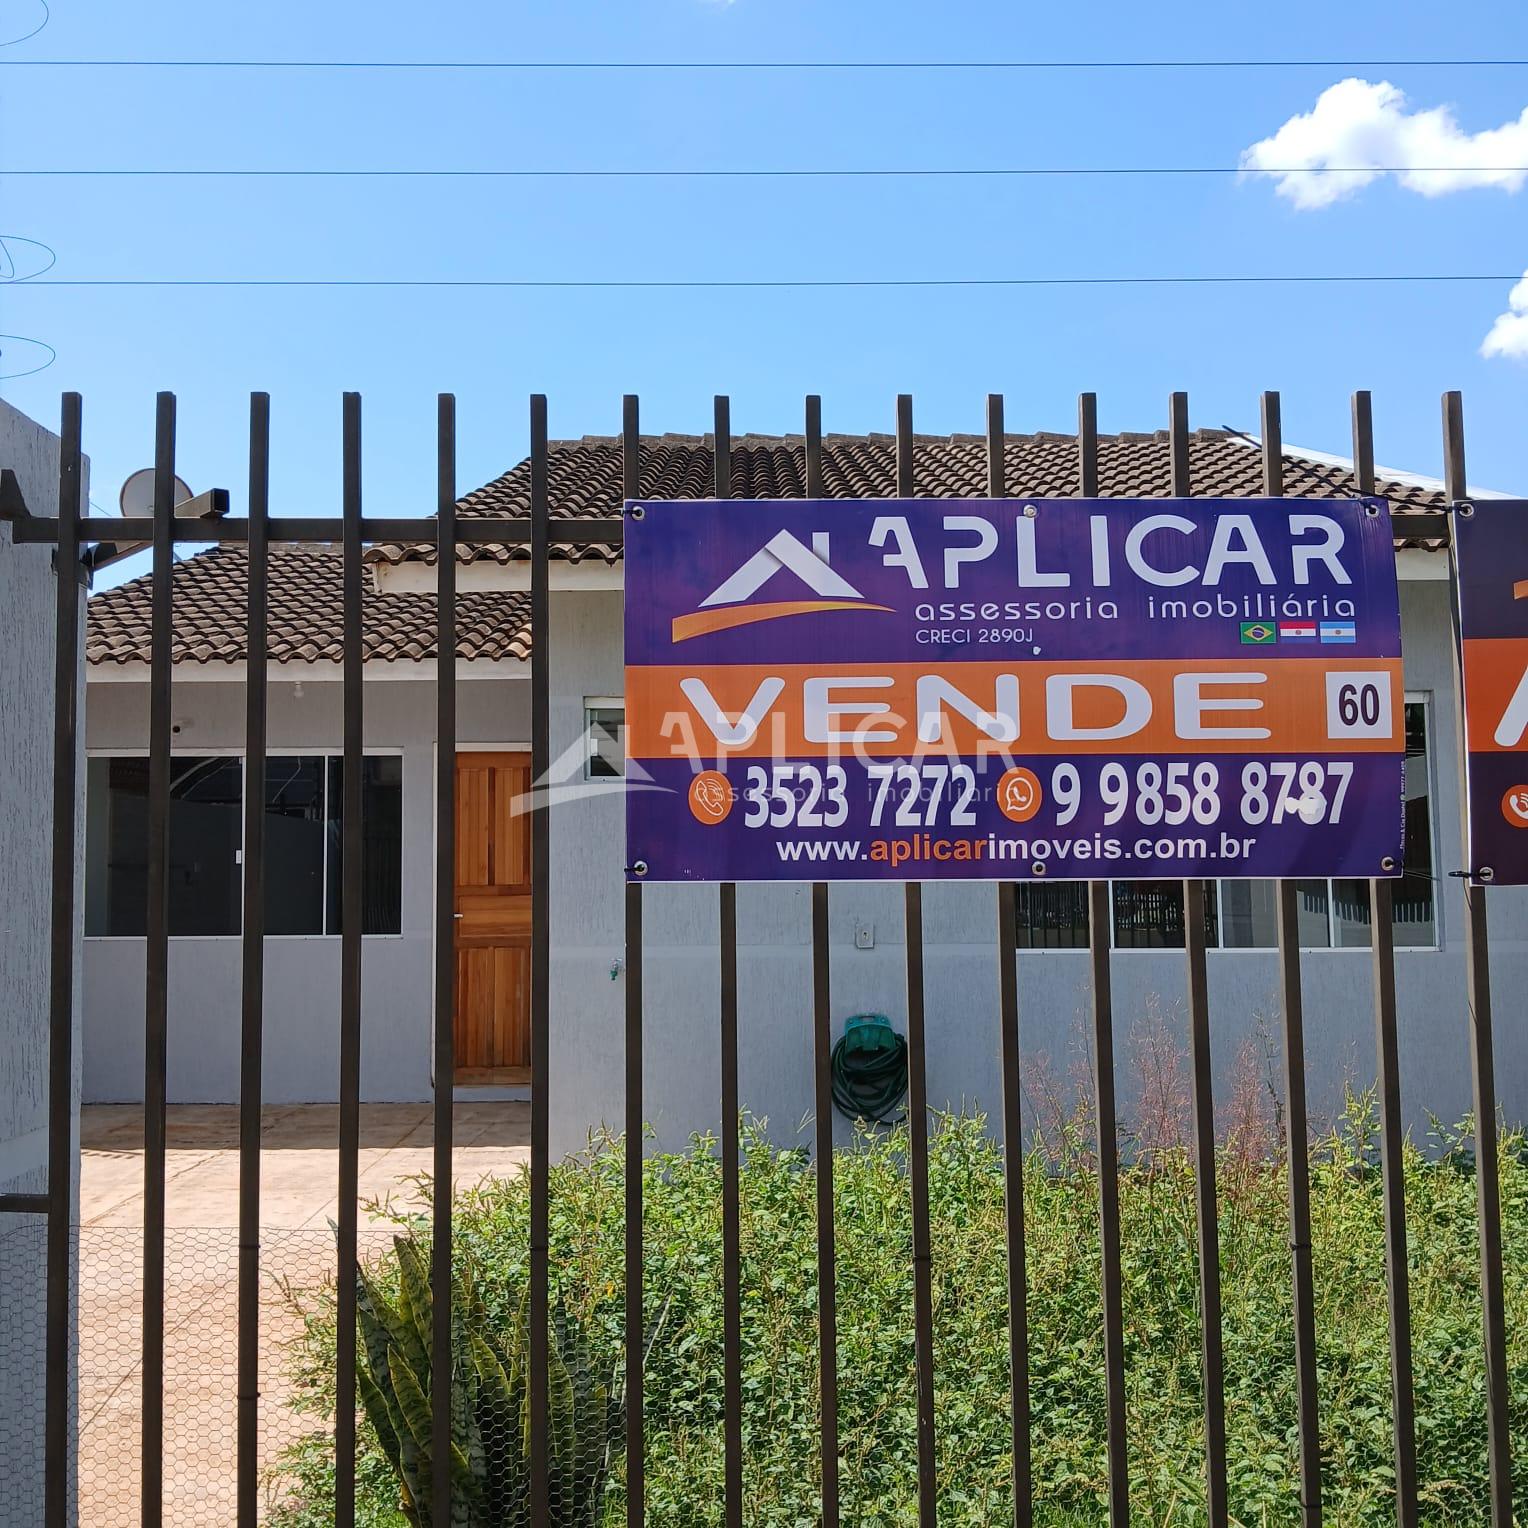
{"points": [[72, 530], [252, 1034]]}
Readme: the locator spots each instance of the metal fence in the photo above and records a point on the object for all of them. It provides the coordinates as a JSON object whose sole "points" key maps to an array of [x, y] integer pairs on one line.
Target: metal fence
{"points": [[74, 530]]}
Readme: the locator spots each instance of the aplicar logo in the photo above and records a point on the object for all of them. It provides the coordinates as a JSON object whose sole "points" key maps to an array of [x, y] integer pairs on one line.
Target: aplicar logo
{"points": [[782, 550]]}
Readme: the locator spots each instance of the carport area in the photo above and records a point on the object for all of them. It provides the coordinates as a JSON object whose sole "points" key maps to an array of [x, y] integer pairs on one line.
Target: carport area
{"points": [[299, 1166]]}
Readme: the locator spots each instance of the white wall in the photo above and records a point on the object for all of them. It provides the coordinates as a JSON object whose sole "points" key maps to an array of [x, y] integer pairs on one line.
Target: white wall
{"points": [[28, 605], [682, 1048]]}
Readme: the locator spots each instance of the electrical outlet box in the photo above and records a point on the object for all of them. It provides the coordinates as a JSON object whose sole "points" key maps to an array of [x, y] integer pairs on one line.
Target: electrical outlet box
{"points": [[864, 936]]}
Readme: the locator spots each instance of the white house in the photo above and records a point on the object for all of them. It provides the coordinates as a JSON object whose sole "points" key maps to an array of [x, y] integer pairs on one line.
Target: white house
{"points": [[682, 1046]]}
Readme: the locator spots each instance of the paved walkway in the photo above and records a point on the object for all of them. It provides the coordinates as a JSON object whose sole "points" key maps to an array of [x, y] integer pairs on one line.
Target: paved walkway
{"points": [[299, 1163]]}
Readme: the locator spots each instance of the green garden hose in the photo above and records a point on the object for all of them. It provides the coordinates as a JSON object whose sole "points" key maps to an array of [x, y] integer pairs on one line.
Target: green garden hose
{"points": [[870, 1070]]}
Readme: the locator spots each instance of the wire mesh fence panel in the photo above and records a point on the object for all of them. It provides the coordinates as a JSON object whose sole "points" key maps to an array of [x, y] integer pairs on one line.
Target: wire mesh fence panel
{"points": [[201, 1332], [23, 1268]]}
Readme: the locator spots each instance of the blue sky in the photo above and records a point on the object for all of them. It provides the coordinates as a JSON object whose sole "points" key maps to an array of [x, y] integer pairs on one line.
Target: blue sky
{"points": [[1039, 346]]}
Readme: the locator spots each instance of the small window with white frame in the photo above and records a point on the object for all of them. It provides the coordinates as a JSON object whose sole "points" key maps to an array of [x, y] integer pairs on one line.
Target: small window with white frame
{"points": [[604, 737]]}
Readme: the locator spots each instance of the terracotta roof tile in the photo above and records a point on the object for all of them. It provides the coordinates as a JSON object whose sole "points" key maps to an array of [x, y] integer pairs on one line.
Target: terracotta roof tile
{"points": [[585, 477], [305, 615], [585, 480]]}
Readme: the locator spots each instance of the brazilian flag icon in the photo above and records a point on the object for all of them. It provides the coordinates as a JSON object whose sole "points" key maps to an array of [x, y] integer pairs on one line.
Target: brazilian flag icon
{"points": [[1257, 633]]}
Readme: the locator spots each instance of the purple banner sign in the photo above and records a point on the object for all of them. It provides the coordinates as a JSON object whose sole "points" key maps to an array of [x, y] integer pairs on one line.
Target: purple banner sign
{"points": [[1491, 559], [1012, 689]]}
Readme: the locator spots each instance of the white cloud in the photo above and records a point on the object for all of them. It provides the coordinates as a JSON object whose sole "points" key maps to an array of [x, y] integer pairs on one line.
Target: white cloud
{"points": [[1369, 128], [1509, 334]]}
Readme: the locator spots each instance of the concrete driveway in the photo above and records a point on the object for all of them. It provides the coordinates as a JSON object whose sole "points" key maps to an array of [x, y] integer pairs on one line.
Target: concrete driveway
{"points": [[299, 1164]]}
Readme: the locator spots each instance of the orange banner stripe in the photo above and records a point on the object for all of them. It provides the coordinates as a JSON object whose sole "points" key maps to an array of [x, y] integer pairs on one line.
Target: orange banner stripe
{"points": [[703, 621], [663, 721], [1494, 669]]}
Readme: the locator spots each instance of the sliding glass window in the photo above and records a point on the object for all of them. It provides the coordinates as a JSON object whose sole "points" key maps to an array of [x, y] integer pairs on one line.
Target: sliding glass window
{"points": [[303, 795]]}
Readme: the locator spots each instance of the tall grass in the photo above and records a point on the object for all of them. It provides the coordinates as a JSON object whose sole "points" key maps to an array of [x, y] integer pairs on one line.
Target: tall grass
{"points": [[683, 1394]]}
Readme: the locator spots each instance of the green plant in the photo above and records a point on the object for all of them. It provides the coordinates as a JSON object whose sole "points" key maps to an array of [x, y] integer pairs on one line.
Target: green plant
{"points": [[490, 1411], [682, 1242]]}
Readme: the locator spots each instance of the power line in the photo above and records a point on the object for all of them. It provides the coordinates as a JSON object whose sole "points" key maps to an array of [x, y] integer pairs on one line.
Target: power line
{"points": [[47, 16], [560, 284], [786, 173], [767, 65]]}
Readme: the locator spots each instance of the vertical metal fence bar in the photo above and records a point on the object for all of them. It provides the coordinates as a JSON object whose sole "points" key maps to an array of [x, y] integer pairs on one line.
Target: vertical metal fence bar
{"points": [[445, 954], [732, 1279], [1206, 1201], [923, 1252], [1297, 1163], [997, 466], [1483, 1062], [1111, 1255], [351, 872], [1204, 1114], [57, 1473], [1397, 1270], [904, 446], [252, 1024], [156, 983], [721, 449], [1013, 1194], [631, 447], [1087, 445], [822, 1059], [917, 1111], [827, 1287], [813, 449], [1100, 936], [1394, 1185], [636, 1435], [636, 1441], [1013, 1113], [541, 972]]}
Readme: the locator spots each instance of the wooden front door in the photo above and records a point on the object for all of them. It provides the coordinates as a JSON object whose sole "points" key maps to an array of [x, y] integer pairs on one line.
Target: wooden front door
{"points": [[493, 919]]}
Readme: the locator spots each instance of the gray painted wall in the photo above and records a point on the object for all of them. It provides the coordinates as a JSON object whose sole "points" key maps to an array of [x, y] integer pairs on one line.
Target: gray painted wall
{"points": [[775, 1051], [28, 596], [682, 1051], [302, 975]]}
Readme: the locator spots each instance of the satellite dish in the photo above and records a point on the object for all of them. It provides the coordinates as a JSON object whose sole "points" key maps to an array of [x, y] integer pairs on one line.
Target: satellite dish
{"points": [[137, 496]]}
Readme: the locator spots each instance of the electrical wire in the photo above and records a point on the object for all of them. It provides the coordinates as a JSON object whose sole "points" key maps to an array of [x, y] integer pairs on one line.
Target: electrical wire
{"points": [[788, 173], [47, 16], [767, 65], [571, 284], [30, 371]]}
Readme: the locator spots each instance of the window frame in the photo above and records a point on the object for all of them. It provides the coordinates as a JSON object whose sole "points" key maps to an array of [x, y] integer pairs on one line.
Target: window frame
{"points": [[241, 753], [594, 703], [1423, 698]]}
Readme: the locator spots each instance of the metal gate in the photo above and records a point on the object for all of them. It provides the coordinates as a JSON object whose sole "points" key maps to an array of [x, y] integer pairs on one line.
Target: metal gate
{"points": [[75, 528]]}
